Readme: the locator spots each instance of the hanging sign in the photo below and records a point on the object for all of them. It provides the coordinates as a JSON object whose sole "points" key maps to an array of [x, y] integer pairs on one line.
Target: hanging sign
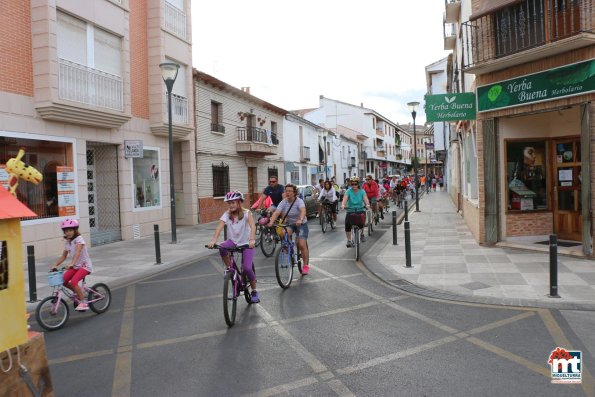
{"points": [[66, 191], [450, 107], [133, 149], [566, 81]]}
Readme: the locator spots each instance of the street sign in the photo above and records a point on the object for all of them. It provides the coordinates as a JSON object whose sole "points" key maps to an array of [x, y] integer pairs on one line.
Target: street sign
{"points": [[450, 107], [429, 145]]}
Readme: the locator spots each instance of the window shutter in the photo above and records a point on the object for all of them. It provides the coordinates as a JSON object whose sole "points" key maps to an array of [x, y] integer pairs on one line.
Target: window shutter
{"points": [[107, 52], [179, 4], [72, 39], [180, 83]]}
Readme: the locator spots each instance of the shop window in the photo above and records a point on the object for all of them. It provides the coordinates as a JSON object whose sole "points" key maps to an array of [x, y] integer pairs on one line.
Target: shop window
{"points": [[147, 179], [526, 175], [470, 158], [220, 180], [48, 157]]}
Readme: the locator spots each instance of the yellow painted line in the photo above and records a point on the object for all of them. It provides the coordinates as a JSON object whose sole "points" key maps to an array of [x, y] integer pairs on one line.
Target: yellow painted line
{"points": [[328, 313], [83, 356], [284, 389], [560, 339], [510, 356], [123, 369], [340, 388], [497, 324]]}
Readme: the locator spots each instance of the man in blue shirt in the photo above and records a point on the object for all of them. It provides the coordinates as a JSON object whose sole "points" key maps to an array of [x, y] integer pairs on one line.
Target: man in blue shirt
{"points": [[274, 190]]}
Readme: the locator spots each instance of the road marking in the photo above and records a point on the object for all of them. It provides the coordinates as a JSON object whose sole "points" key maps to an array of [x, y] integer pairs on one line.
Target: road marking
{"points": [[168, 280], [340, 388], [286, 388], [328, 313], [395, 356], [560, 339], [498, 324], [123, 369], [83, 356]]}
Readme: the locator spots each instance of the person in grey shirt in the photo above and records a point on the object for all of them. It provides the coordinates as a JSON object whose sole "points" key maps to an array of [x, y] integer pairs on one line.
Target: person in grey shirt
{"points": [[293, 208]]}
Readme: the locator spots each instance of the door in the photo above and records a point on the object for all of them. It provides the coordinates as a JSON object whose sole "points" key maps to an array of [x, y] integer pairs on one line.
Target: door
{"points": [[567, 189], [252, 185]]}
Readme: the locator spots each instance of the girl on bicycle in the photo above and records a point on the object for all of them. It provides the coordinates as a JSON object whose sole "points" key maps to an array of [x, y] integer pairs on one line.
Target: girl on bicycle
{"points": [[80, 263], [354, 200], [241, 231], [329, 194]]}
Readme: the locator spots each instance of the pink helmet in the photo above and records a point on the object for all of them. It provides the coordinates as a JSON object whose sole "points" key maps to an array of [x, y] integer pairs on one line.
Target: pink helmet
{"points": [[234, 195], [69, 224]]}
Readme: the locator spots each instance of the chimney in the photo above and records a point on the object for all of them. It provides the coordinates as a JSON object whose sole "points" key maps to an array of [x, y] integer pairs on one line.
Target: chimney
{"points": [[246, 89]]}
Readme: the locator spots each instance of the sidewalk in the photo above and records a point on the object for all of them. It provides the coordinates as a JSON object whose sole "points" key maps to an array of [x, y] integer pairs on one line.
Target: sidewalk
{"points": [[448, 263]]}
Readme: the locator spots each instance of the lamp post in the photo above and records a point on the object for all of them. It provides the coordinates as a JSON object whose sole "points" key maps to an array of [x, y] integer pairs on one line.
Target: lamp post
{"points": [[324, 134], [413, 109], [169, 72]]}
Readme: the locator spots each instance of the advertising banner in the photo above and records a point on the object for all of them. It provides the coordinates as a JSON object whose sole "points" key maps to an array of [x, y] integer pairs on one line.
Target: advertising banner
{"points": [[450, 107], [66, 191], [565, 81]]}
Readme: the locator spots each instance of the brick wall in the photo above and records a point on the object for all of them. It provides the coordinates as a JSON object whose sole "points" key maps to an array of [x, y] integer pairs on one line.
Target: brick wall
{"points": [[139, 59], [471, 216], [529, 224], [16, 65]]}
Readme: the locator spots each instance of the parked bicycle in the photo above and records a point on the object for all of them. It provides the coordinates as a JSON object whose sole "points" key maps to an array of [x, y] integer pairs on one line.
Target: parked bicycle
{"points": [[288, 255], [235, 283], [327, 216], [52, 312]]}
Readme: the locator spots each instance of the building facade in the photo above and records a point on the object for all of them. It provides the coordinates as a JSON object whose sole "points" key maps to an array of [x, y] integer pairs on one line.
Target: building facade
{"points": [[301, 151], [82, 94], [239, 144]]}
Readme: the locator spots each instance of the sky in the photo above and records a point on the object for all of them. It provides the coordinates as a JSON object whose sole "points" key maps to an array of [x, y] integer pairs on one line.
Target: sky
{"points": [[290, 52]]}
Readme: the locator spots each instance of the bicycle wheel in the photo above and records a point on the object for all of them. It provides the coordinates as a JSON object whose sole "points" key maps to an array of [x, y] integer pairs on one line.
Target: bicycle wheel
{"points": [[257, 235], [356, 232], [247, 294], [101, 294], [50, 314], [268, 242], [298, 257], [370, 224], [229, 300], [323, 220], [332, 221], [284, 267]]}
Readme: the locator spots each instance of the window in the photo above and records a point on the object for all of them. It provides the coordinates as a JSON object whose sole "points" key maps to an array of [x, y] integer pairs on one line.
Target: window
{"points": [[470, 185], [45, 156], [217, 117], [526, 175], [220, 180], [273, 171], [274, 137], [179, 101], [147, 179], [295, 176]]}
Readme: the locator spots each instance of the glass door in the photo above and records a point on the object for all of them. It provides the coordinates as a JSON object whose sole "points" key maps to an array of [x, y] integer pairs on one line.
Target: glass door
{"points": [[567, 189]]}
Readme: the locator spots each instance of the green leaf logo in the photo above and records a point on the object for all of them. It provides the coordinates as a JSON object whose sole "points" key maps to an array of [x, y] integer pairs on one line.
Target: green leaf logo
{"points": [[494, 93]]}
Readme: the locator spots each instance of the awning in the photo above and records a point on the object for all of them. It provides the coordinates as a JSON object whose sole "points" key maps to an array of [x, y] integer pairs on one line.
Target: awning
{"points": [[486, 7]]}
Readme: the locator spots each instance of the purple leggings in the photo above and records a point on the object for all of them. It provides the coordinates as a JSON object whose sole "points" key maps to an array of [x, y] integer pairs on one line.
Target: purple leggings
{"points": [[247, 256]]}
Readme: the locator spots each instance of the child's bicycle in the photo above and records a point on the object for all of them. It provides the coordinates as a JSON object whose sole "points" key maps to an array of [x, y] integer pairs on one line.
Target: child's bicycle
{"points": [[52, 312], [235, 283], [288, 255]]}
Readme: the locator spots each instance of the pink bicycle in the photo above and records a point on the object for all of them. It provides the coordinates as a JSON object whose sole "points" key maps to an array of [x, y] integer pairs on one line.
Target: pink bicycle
{"points": [[52, 312]]}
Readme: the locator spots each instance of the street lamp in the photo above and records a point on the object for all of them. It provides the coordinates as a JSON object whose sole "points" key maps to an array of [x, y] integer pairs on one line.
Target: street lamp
{"points": [[169, 72], [413, 109], [324, 134]]}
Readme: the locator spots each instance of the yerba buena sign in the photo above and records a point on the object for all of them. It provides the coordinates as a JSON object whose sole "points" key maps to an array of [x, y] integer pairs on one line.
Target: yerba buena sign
{"points": [[450, 107], [565, 81]]}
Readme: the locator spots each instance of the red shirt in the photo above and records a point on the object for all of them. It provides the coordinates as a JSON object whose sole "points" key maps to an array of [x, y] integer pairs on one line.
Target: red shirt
{"points": [[371, 189]]}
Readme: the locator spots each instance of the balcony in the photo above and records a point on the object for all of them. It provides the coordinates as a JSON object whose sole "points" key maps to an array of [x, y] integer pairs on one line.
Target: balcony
{"points": [[305, 154], [453, 9], [256, 141], [450, 35], [174, 20], [179, 109], [380, 132], [527, 31], [99, 93], [352, 163], [380, 153], [218, 128], [363, 155]]}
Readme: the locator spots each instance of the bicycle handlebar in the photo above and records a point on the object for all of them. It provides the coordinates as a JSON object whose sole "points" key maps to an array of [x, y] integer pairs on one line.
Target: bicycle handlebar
{"points": [[237, 248]]}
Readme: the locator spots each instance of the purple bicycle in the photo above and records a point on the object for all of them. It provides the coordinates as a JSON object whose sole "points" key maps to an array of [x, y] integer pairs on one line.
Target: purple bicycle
{"points": [[52, 312], [236, 282]]}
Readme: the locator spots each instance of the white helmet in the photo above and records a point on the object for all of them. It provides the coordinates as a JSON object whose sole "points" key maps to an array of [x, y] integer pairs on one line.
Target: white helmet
{"points": [[234, 195]]}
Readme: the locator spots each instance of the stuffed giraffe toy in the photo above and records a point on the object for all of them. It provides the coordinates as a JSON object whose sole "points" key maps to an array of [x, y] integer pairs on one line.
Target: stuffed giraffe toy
{"points": [[19, 170]]}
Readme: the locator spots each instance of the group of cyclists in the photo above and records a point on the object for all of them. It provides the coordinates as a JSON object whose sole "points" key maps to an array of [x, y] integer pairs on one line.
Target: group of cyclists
{"points": [[285, 206]]}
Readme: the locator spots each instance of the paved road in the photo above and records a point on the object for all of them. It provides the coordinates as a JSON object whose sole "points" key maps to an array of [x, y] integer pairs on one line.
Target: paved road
{"points": [[339, 331]]}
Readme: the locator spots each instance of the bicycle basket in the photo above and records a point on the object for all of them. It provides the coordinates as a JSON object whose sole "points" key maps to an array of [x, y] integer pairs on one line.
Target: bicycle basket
{"points": [[279, 231], [55, 279], [263, 221]]}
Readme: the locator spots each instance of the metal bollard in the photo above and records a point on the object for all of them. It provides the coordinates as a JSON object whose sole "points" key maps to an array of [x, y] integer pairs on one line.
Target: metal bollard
{"points": [[553, 266], [406, 211], [407, 245], [157, 245], [225, 232], [31, 271], [394, 227]]}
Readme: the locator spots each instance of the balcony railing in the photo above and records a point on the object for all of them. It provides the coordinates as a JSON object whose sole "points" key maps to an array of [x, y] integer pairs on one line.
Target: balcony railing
{"points": [[174, 20], [260, 135], [305, 154], [90, 86], [179, 109], [526, 25], [217, 127], [380, 132], [450, 35]]}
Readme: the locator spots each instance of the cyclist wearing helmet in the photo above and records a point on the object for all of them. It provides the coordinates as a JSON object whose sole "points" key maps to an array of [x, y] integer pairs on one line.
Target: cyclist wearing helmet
{"points": [[80, 263], [354, 200], [241, 231]]}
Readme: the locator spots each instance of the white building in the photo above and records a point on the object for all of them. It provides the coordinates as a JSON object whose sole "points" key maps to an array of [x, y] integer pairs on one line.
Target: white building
{"points": [[301, 151]]}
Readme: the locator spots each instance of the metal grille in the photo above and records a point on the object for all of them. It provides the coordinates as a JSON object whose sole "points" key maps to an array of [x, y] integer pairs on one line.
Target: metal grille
{"points": [[220, 180], [103, 194], [273, 172]]}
